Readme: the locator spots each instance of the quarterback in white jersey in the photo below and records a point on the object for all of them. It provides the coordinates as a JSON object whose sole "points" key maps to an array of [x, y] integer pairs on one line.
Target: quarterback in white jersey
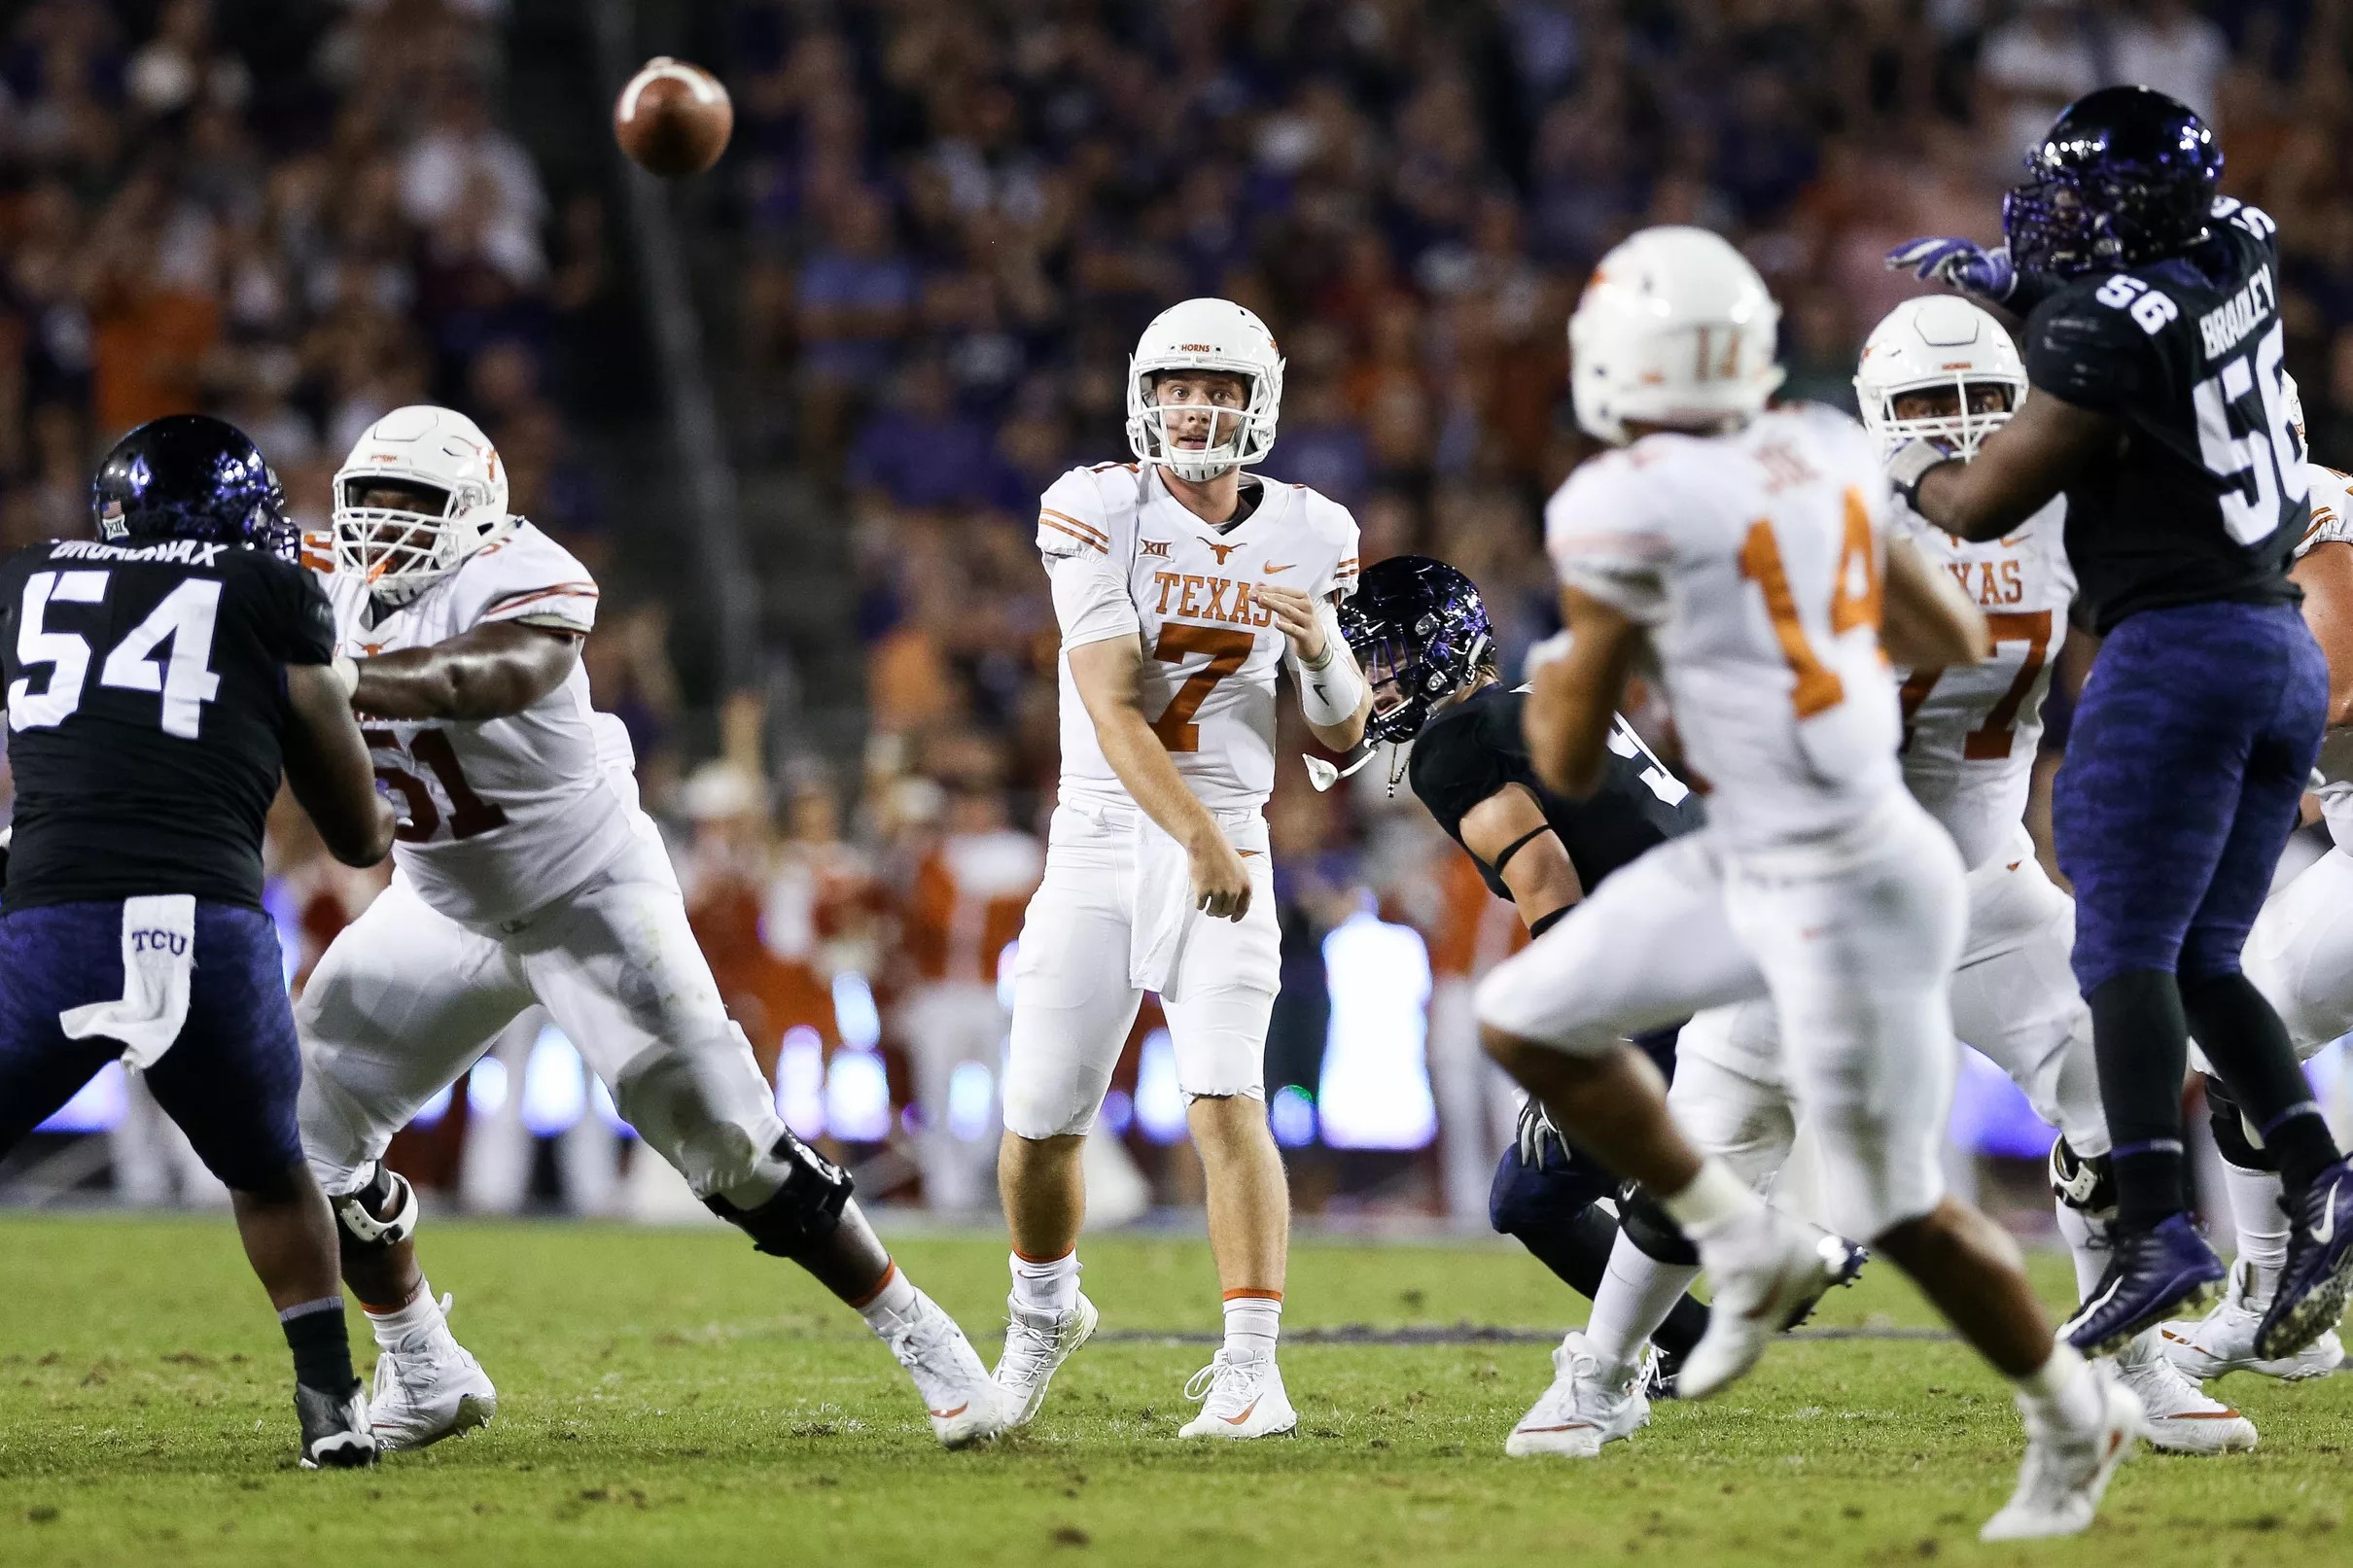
{"points": [[1182, 586], [1739, 554], [526, 874], [2299, 954], [1939, 367]]}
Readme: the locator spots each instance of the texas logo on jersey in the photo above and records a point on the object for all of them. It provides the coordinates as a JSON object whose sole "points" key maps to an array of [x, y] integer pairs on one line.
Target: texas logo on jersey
{"points": [[1211, 648]]}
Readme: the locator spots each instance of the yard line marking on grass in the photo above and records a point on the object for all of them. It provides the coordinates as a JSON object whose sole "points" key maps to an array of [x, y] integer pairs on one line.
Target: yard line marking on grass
{"points": [[1464, 1333]]}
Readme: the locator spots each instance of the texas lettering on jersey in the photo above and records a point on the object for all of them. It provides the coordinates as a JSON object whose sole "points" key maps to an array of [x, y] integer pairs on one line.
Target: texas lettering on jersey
{"points": [[1211, 650], [1969, 734]]}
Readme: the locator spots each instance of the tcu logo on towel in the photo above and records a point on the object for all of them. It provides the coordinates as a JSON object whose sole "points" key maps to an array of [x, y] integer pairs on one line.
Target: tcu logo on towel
{"points": [[174, 943]]}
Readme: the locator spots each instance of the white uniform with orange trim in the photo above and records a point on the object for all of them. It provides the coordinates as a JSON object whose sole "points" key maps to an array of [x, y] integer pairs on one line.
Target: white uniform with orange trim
{"points": [[524, 873], [1752, 562], [2299, 951], [1969, 748], [1114, 916]]}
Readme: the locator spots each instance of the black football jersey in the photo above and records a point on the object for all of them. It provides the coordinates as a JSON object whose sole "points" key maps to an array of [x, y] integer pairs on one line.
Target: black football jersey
{"points": [[1474, 747], [2206, 499], [146, 697]]}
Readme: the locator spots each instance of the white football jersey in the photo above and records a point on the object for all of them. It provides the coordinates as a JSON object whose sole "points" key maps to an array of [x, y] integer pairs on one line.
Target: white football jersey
{"points": [[1211, 652], [1753, 559], [1970, 733], [508, 814], [2332, 524]]}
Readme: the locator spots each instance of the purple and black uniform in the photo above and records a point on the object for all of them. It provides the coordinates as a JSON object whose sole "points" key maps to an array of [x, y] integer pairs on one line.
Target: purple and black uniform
{"points": [[146, 697]]}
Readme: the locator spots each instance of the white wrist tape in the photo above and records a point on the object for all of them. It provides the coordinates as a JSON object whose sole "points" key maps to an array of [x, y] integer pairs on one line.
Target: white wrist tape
{"points": [[346, 672], [1330, 695]]}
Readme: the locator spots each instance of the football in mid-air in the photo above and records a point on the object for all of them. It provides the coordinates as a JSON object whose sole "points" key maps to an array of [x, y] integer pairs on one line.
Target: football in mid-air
{"points": [[673, 117]]}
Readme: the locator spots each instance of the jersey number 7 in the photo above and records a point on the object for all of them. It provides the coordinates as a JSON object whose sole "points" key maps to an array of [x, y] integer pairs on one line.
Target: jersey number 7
{"points": [[1991, 740], [1227, 652]]}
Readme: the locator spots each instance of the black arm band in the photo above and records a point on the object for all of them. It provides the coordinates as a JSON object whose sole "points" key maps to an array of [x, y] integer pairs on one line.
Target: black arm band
{"points": [[1515, 847], [1545, 923]]}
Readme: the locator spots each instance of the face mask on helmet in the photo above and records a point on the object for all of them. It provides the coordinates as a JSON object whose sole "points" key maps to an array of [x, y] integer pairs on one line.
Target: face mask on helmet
{"points": [[1959, 413], [395, 532], [1198, 423], [2125, 176], [1420, 632]]}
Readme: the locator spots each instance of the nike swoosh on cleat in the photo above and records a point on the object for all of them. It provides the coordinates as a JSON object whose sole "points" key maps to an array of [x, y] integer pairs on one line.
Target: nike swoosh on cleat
{"points": [[950, 1415], [1237, 1420], [2327, 1233], [1572, 1426]]}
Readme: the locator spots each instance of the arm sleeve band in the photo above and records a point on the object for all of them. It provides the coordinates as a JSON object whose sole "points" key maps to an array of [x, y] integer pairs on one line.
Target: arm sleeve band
{"points": [[1516, 845], [1330, 696], [1545, 923]]}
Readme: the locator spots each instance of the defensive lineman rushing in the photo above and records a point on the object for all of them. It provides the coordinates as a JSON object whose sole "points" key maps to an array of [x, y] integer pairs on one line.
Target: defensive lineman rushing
{"points": [[2299, 954], [1940, 369], [135, 925], [1739, 551], [1181, 584], [2154, 343], [1420, 632], [527, 873]]}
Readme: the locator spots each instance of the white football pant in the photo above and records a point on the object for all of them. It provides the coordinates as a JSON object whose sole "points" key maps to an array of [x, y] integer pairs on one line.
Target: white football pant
{"points": [[406, 998], [1853, 939], [946, 1023], [1074, 995]]}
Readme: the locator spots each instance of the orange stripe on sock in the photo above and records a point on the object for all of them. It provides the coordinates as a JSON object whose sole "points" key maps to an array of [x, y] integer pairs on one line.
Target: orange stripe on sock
{"points": [[1056, 1258], [373, 1310], [1254, 1295], [889, 1270]]}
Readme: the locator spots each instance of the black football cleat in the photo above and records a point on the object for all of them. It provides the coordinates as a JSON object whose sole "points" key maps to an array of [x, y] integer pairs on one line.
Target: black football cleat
{"points": [[2152, 1275], [2318, 1275], [335, 1435]]}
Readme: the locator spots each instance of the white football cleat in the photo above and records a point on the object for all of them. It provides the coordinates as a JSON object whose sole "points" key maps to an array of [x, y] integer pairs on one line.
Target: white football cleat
{"points": [[2224, 1339], [1239, 1399], [1766, 1276], [2176, 1415], [428, 1389], [1582, 1410], [2065, 1473], [964, 1406], [1037, 1344]]}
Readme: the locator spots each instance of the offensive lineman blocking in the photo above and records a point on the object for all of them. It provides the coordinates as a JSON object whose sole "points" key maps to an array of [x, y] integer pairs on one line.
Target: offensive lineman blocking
{"points": [[1739, 552], [527, 873], [1180, 588]]}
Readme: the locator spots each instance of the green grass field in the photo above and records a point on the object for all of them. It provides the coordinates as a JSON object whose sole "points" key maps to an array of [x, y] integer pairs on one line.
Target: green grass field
{"points": [[672, 1397]]}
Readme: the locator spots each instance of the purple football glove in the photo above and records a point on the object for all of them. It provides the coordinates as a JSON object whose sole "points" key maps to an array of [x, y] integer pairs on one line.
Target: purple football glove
{"points": [[1958, 263]]}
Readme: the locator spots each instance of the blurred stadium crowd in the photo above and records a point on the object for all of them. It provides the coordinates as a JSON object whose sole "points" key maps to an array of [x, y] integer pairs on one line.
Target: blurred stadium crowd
{"points": [[956, 215]]}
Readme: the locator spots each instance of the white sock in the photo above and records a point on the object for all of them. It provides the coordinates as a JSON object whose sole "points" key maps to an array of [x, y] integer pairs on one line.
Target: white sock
{"points": [[2063, 1394], [2263, 1226], [1253, 1321], [2088, 1244], [411, 1325], [1714, 1204], [888, 1308], [1047, 1285], [1637, 1293]]}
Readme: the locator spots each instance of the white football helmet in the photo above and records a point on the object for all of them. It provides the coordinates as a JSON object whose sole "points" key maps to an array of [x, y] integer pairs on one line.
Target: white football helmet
{"points": [[1675, 328], [1938, 342], [2294, 400], [440, 453], [1204, 334]]}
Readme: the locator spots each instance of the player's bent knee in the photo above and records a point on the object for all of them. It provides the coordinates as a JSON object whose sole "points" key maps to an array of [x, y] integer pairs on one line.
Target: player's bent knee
{"points": [[380, 1215], [1650, 1228], [805, 1209], [704, 1108], [2231, 1137]]}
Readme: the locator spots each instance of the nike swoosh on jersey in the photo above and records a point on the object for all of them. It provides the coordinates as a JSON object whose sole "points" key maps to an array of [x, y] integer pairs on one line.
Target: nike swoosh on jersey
{"points": [[1270, 569]]}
